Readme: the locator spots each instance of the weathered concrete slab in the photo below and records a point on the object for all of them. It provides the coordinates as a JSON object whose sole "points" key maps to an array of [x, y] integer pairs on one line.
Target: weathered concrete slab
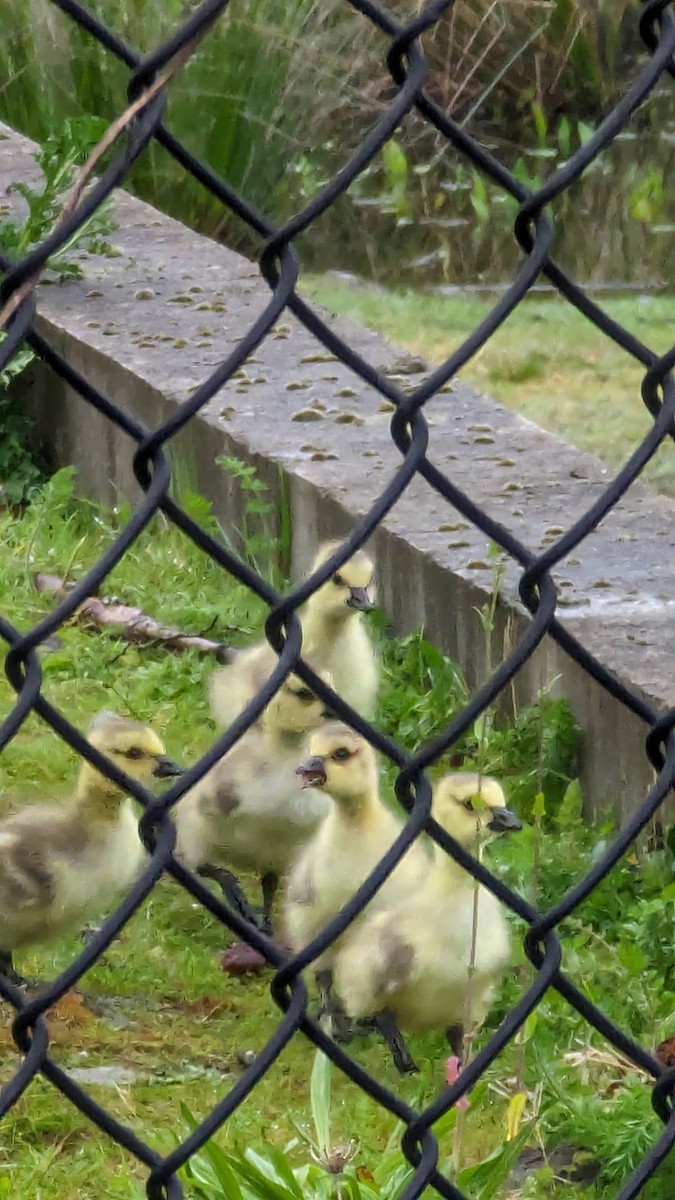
{"points": [[148, 326]]}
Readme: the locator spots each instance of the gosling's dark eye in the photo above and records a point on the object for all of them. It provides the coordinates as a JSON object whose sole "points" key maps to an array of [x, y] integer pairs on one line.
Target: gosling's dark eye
{"points": [[305, 695], [338, 580], [341, 754], [134, 752], [468, 805]]}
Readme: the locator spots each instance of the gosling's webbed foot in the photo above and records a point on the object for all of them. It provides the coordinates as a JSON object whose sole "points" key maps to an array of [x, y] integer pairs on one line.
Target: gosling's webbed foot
{"points": [[403, 1060], [345, 1030], [329, 1007], [342, 1029]]}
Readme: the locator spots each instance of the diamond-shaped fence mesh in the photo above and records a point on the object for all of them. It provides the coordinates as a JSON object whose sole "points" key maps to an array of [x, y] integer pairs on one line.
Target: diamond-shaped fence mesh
{"points": [[143, 121]]}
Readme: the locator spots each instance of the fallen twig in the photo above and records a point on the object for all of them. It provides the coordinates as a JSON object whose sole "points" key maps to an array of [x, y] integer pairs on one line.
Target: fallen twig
{"points": [[590, 1058], [131, 622]]}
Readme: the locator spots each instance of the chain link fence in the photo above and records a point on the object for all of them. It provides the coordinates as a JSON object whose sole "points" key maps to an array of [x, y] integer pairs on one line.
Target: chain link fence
{"points": [[534, 230]]}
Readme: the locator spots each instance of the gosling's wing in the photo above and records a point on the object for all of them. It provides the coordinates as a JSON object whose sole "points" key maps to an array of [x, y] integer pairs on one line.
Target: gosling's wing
{"points": [[222, 795], [238, 777], [376, 961], [26, 876], [394, 961]]}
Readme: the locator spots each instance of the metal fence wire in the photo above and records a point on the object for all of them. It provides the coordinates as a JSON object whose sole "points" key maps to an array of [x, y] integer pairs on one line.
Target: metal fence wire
{"points": [[143, 121]]}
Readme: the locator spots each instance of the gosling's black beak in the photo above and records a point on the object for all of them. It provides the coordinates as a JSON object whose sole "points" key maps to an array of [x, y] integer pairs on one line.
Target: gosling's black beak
{"points": [[328, 714], [504, 821], [359, 598], [311, 773], [166, 768]]}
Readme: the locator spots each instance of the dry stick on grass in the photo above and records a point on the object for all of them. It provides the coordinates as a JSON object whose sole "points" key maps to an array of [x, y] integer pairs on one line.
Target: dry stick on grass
{"points": [[111, 134], [131, 622]]}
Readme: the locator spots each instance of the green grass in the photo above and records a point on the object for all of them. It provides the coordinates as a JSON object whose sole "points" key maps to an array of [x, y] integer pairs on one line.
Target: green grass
{"points": [[547, 362], [158, 1001]]}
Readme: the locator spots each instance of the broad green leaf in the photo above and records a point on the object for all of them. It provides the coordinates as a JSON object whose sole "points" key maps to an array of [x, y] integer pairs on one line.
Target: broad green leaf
{"points": [[395, 163], [540, 120], [225, 1173], [262, 1174], [284, 1170], [525, 1033], [539, 805], [514, 1115], [632, 957], [570, 808]]}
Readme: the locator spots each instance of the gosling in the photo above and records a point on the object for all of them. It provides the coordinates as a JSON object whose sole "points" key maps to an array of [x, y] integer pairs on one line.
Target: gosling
{"points": [[247, 811], [60, 864], [334, 638], [414, 960], [349, 843]]}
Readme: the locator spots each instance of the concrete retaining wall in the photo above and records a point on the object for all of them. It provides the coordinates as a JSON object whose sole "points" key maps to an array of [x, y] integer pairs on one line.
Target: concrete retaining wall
{"points": [[147, 326]]}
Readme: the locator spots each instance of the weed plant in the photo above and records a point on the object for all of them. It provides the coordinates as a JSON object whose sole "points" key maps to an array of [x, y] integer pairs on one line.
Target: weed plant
{"points": [[22, 463]]}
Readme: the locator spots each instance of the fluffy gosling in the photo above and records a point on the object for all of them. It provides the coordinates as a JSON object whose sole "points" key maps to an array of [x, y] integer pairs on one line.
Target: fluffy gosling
{"points": [[357, 832], [247, 812], [412, 961], [60, 864], [334, 638]]}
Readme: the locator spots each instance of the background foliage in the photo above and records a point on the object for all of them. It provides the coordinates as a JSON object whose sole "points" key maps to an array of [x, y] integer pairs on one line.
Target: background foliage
{"points": [[286, 91]]}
